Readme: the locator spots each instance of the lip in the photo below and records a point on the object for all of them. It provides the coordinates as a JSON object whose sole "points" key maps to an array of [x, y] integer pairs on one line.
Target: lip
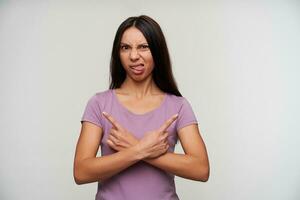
{"points": [[137, 69], [136, 65]]}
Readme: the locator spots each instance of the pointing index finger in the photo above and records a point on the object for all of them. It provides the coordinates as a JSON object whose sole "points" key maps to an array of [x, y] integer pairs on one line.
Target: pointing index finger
{"points": [[112, 120], [166, 125]]}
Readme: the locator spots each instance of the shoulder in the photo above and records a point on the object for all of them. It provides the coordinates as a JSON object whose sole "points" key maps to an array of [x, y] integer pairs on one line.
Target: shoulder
{"points": [[177, 101], [102, 94], [101, 97], [183, 108]]}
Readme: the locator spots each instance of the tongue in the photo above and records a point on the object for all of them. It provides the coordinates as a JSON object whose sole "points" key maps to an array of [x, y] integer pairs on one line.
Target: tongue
{"points": [[140, 67]]}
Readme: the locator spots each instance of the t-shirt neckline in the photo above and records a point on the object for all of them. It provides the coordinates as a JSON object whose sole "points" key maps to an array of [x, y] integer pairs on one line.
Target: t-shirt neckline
{"points": [[136, 114]]}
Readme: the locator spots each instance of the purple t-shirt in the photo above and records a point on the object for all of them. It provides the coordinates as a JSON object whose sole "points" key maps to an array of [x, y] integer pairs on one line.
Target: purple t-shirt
{"points": [[141, 180]]}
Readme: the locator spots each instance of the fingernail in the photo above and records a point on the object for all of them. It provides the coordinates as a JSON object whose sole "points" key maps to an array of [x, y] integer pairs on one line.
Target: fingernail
{"points": [[104, 113]]}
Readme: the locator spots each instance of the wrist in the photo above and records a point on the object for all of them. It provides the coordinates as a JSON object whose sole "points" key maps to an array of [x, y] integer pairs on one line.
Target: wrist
{"points": [[138, 151]]}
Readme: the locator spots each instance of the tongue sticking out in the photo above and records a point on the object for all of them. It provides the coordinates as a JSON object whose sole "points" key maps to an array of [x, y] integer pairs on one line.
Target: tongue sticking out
{"points": [[138, 69]]}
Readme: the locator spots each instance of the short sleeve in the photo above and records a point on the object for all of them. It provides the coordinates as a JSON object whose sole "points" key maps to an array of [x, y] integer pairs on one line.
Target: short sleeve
{"points": [[186, 115], [92, 112]]}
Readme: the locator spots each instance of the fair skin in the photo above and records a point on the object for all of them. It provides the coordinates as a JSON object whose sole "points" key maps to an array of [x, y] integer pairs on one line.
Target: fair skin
{"points": [[138, 94]]}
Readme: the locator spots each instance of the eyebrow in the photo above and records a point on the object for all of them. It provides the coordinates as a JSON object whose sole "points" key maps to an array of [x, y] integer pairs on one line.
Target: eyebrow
{"points": [[123, 43]]}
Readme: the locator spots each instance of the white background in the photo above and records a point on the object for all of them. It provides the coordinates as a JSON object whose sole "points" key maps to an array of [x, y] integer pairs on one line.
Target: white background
{"points": [[237, 62]]}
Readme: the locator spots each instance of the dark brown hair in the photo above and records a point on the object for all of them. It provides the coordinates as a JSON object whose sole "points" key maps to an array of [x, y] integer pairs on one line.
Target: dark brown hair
{"points": [[162, 71]]}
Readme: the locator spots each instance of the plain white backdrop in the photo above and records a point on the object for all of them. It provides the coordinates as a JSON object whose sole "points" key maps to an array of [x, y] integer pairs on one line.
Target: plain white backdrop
{"points": [[237, 62]]}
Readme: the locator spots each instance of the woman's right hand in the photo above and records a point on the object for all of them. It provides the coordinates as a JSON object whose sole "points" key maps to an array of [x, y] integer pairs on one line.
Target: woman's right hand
{"points": [[155, 143]]}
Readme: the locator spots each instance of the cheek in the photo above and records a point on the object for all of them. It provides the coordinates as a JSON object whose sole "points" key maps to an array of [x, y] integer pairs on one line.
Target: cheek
{"points": [[151, 68], [124, 62], [122, 59], [150, 61]]}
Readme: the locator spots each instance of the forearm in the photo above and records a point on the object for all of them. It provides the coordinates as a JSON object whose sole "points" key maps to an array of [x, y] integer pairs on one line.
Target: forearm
{"points": [[100, 168], [182, 165]]}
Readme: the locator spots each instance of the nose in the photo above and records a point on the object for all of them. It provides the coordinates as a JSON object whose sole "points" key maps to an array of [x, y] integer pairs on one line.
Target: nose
{"points": [[134, 54]]}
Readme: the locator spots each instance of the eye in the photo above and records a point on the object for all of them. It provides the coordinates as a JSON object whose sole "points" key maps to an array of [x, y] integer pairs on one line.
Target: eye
{"points": [[144, 46], [124, 47]]}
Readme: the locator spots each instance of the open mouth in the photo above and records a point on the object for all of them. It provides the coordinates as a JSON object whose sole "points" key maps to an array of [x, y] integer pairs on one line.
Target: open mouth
{"points": [[137, 69]]}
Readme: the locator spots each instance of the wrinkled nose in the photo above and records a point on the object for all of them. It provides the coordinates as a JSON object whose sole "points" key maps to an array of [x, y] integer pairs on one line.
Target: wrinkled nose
{"points": [[134, 55]]}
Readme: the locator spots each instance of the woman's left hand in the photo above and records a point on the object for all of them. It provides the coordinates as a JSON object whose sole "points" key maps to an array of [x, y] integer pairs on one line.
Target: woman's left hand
{"points": [[119, 138]]}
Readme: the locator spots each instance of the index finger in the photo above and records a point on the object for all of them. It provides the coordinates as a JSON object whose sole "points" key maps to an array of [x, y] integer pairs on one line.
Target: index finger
{"points": [[168, 123], [112, 121]]}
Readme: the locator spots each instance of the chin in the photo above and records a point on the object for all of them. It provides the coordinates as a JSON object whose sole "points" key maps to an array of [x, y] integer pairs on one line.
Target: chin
{"points": [[139, 78]]}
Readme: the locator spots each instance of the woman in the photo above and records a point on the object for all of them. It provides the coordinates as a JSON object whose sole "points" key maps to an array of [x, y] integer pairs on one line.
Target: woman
{"points": [[137, 123]]}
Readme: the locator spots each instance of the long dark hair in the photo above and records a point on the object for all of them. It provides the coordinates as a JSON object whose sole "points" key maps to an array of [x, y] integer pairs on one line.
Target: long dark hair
{"points": [[162, 72]]}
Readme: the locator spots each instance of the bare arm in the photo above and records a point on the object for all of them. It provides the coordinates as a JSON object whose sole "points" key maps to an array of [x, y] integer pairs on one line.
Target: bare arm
{"points": [[88, 167], [193, 164]]}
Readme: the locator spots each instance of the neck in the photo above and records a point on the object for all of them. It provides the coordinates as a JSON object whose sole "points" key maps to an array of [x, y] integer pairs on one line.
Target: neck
{"points": [[140, 89]]}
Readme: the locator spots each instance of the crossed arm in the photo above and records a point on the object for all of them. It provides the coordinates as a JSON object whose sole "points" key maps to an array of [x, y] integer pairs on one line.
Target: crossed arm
{"points": [[193, 164]]}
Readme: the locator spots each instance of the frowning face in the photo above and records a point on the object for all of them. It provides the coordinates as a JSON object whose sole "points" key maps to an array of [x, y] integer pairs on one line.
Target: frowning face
{"points": [[135, 55]]}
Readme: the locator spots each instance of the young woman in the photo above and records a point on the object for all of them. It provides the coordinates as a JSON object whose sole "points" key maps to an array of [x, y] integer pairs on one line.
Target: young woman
{"points": [[137, 123]]}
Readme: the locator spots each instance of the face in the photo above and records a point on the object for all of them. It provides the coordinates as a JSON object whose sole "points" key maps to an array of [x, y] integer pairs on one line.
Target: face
{"points": [[135, 55]]}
